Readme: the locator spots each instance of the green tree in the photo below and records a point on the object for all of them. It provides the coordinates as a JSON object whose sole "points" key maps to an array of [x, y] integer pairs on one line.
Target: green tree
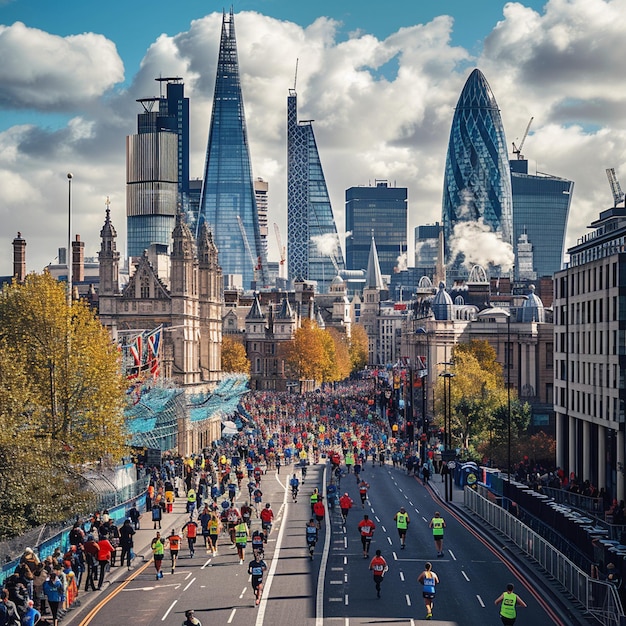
{"points": [[61, 403], [234, 357]]}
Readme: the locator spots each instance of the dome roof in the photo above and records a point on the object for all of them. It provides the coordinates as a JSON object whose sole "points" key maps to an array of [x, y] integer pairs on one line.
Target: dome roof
{"points": [[533, 309], [442, 304]]}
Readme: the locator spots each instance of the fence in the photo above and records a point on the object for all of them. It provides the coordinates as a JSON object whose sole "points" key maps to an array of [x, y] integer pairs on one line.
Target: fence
{"points": [[600, 599]]}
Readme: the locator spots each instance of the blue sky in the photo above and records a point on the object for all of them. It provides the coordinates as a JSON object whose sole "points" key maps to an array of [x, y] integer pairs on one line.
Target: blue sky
{"points": [[380, 80]]}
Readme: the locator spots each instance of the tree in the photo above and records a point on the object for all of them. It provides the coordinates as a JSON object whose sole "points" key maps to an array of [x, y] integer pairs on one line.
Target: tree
{"points": [[305, 356], [234, 357], [61, 403], [359, 347], [341, 362]]}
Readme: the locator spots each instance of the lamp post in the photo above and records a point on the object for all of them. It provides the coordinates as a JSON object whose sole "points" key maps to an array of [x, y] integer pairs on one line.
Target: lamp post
{"points": [[447, 425], [68, 254], [508, 391]]}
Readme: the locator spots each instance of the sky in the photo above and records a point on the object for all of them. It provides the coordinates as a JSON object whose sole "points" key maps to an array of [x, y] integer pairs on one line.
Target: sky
{"points": [[381, 81]]}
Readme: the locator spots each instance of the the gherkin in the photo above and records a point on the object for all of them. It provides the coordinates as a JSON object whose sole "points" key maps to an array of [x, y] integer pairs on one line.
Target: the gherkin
{"points": [[477, 182]]}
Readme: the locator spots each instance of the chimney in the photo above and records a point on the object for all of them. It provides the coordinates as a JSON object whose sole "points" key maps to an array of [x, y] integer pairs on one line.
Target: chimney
{"points": [[19, 258], [78, 260]]}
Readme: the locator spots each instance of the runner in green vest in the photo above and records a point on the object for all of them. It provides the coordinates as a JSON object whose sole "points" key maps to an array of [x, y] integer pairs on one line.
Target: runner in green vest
{"points": [[241, 538], [437, 523], [402, 523], [508, 602]]}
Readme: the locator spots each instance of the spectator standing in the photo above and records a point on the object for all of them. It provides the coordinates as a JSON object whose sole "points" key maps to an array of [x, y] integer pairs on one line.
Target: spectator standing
{"points": [[105, 550], [126, 542], [53, 590]]}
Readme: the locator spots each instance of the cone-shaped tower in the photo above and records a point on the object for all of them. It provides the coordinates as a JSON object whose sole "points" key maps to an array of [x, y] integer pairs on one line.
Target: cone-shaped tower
{"points": [[228, 190], [477, 182]]}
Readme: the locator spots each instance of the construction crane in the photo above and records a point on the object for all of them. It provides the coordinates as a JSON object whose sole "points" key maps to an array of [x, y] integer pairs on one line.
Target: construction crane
{"points": [[246, 243], [517, 150], [616, 190], [281, 250]]}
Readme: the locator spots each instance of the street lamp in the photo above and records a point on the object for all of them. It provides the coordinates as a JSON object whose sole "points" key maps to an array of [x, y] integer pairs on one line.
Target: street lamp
{"points": [[508, 390], [447, 425], [68, 254]]}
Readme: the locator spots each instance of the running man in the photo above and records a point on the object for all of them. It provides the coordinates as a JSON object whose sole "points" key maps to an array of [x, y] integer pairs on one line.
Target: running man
{"points": [[429, 580], [295, 484], [345, 503], [402, 524], [256, 568], [311, 536], [173, 542], [191, 530], [363, 487], [508, 602], [215, 527], [242, 536], [437, 523], [158, 547], [379, 567], [319, 510], [366, 529], [267, 517]]}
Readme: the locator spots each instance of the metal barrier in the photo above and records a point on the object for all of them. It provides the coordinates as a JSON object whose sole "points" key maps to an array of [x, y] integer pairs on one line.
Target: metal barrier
{"points": [[600, 599]]}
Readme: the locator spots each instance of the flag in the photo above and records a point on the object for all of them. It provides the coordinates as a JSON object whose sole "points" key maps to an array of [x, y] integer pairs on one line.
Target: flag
{"points": [[154, 343]]}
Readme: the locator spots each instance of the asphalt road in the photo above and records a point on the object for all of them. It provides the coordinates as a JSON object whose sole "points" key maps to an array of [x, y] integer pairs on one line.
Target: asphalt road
{"points": [[336, 586]]}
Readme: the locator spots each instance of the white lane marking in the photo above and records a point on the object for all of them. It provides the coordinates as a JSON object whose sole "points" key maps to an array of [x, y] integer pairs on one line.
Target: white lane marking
{"points": [[465, 575], [411, 503], [345, 577], [347, 621], [335, 599], [319, 599], [412, 622], [346, 600], [232, 614], [401, 576], [400, 490], [345, 543], [336, 569], [377, 518], [241, 595], [408, 600], [395, 556], [345, 560], [481, 601], [168, 611], [424, 519], [389, 540], [191, 582], [206, 564], [188, 575], [384, 529], [452, 555]]}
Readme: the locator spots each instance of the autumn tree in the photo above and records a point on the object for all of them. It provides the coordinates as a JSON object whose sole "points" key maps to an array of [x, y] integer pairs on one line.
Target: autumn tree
{"points": [[359, 347], [234, 357], [61, 403], [341, 363]]}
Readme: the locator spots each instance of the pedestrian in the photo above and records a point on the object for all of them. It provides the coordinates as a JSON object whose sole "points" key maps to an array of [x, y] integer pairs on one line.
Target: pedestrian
{"points": [[509, 602], [215, 527], [105, 550], [157, 515], [31, 615], [191, 530], [345, 504], [173, 541], [54, 592], [91, 562], [135, 516], [379, 567], [402, 524], [190, 619], [429, 580], [437, 523], [158, 549], [126, 542], [366, 529], [256, 568], [242, 536]]}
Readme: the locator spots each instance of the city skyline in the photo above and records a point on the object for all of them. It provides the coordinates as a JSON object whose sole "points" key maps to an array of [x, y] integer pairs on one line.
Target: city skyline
{"points": [[383, 100]]}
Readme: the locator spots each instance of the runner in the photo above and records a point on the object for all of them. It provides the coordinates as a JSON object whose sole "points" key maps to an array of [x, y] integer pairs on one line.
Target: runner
{"points": [[311, 536], [428, 579], [319, 510], [402, 524], [246, 513], [315, 496], [363, 487], [242, 535], [509, 601], [295, 484], [366, 529], [191, 530], [258, 547], [267, 517], [438, 524], [158, 549], [173, 542], [215, 528], [379, 566], [256, 568], [345, 503]]}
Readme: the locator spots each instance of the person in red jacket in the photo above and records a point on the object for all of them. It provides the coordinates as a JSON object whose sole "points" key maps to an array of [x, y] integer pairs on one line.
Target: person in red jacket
{"points": [[345, 503], [319, 510], [267, 517], [366, 529], [379, 567], [105, 549]]}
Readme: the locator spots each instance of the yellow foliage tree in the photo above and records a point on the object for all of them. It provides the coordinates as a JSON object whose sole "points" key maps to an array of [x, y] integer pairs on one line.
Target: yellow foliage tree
{"points": [[359, 348], [234, 357]]}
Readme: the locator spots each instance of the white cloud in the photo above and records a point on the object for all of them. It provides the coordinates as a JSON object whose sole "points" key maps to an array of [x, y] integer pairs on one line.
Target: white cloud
{"points": [[382, 109]]}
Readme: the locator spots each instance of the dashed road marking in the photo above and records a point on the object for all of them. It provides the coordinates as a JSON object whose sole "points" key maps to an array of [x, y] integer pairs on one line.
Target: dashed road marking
{"points": [[408, 600], [168, 611], [232, 615], [191, 582], [480, 600], [465, 575], [402, 576], [242, 593], [335, 582]]}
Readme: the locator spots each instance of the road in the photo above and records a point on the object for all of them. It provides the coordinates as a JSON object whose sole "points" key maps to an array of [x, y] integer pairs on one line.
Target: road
{"points": [[336, 586]]}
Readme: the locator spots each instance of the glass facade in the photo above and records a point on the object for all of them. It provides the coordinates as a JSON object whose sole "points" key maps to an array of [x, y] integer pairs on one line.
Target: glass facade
{"points": [[382, 211], [540, 209], [477, 182], [313, 247], [157, 164], [228, 203]]}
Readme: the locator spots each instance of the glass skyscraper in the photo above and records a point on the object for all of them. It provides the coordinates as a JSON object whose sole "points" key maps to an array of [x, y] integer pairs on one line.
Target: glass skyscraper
{"points": [[313, 247], [228, 202], [540, 210], [157, 165], [381, 210], [477, 181]]}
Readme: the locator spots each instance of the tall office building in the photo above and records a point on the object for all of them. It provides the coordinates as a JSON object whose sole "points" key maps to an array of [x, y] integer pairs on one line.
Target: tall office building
{"points": [[261, 189], [228, 203], [427, 248], [313, 248], [541, 205], [477, 182], [382, 210], [157, 168]]}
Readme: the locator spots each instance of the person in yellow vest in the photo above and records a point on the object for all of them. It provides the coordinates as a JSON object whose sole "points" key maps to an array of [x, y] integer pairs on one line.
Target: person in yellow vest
{"points": [[402, 524], [158, 548], [438, 524], [242, 536], [509, 602], [191, 501], [174, 544]]}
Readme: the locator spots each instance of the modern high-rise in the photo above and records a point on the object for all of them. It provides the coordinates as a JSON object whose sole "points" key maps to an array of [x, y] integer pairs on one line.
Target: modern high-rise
{"points": [[477, 182], [261, 192], [313, 247], [541, 205], [228, 203], [382, 210], [157, 168]]}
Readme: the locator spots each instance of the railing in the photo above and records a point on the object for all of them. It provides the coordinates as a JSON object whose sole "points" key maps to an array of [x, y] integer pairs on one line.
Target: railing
{"points": [[600, 599]]}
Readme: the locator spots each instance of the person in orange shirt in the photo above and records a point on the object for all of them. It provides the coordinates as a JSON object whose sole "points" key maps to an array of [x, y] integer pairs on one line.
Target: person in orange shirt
{"points": [[366, 529], [191, 529], [345, 504], [105, 549], [379, 567], [173, 541]]}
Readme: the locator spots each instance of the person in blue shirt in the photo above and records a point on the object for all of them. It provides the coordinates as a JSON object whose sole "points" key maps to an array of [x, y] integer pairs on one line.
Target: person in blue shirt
{"points": [[31, 615], [295, 484], [53, 590], [256, 568]]}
